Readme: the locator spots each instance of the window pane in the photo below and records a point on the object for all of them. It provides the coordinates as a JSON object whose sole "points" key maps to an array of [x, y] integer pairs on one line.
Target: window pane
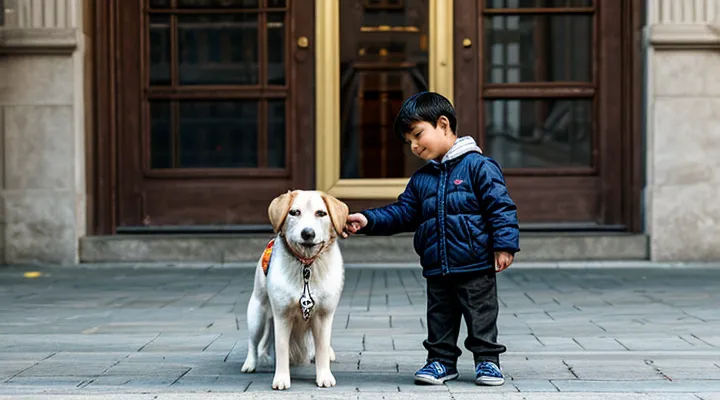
{"points": [[159, 3], [159, 49], [276, 133], [538, 48], [218, 49], [218, 3], [276, 49], [276, 3], [218, 134], [537, 3], [161, 152], [384, 60], [540, 133]]}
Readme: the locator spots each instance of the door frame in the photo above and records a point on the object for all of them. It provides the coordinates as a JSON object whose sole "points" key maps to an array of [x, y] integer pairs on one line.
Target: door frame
{"points": [[105, 99], [327, 98]]}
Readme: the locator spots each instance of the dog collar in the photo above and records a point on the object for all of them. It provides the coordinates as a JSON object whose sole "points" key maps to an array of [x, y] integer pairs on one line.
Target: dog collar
{"points": [[307, 261]]}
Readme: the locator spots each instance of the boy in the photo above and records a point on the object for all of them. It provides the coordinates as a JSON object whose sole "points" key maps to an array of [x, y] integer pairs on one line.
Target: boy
{"points": [[466, 230]]}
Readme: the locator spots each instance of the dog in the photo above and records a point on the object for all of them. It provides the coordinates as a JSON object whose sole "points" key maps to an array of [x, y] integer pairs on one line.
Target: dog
{"points": [[298, 282]]}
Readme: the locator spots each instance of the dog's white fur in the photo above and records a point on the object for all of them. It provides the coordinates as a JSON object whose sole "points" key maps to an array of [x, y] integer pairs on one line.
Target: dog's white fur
{"points": [[273, 312]]}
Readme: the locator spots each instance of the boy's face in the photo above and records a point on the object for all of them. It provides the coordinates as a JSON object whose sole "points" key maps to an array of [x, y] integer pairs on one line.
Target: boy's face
{"points": [[428, 142]]}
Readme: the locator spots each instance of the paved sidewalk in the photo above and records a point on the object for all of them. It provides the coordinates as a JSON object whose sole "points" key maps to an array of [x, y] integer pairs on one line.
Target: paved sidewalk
{"points": [[179, 333]]}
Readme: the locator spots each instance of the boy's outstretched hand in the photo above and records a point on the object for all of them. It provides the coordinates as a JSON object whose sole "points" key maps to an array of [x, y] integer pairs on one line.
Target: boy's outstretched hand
{"points": [[502, 260], [354, 223]]}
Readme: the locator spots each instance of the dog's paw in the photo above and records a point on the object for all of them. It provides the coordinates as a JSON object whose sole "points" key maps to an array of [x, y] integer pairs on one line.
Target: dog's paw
{"points": [[249, 366], [332, 355], [281, 382], [325, 379]]}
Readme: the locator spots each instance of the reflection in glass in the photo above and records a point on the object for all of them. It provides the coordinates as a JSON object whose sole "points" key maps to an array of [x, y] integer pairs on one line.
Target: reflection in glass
{"points": [[276, 133], [159, 49], [218, 49], [218, 134], [159, 3], [161, 152], [276, 48], [537, 3], [540, 133], [218, 3], [384, 60], [538, 48]]}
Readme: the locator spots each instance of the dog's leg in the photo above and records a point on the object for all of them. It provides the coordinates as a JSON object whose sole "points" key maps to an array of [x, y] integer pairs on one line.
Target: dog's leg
{"points": [[255, 319], [322, 329], [283, 329]]}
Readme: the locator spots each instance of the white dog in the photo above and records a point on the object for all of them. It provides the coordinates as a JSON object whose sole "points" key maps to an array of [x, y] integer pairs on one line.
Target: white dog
{"points": [[298, 283]]}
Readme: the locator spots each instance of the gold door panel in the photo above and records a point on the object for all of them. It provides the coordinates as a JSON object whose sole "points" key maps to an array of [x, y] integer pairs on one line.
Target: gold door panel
{"points": [[370, 56]]}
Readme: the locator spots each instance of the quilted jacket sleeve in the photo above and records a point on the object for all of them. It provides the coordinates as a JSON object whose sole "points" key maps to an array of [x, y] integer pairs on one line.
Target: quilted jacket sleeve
{"points": [[498, 208], [401, 216]]}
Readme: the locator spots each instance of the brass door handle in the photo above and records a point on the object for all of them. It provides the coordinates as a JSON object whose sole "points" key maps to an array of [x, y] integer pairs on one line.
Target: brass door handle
{"points": [[467, 43], [303, 42]]}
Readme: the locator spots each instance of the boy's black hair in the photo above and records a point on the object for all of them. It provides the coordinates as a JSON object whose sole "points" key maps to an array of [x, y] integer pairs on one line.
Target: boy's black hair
{"points": [[423, 107]]}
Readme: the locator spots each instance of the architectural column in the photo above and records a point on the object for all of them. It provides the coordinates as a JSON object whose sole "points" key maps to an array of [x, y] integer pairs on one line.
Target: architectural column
{"points": [[683, 129], [42, 132]]}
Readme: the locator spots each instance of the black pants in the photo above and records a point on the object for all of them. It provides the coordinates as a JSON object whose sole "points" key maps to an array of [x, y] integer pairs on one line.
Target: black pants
{"points": [[472, 295]]}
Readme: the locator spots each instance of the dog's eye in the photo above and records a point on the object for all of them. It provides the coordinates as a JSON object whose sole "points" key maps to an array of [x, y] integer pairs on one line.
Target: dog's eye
{"points": [[294, 213], [320, 213]]}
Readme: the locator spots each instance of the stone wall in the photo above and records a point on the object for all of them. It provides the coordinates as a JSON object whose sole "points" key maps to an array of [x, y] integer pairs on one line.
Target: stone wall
{"points": [[683, 130], [42, 133]]}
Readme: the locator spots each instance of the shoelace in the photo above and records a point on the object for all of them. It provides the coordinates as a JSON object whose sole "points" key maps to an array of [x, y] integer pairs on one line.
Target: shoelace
{"points": [[488, 369], [434, 368]]}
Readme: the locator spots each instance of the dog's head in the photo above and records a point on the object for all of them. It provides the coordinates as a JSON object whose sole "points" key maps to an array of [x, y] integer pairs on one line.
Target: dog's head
{"points": [[308, 219]]}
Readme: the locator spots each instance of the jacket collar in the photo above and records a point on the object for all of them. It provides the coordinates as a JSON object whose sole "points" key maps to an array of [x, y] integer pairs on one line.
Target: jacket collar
{"points": [[463, 145]]}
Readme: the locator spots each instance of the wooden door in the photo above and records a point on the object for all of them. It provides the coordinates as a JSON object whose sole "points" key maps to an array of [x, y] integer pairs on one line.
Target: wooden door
{"points": [[214, 110], [539, 83]]}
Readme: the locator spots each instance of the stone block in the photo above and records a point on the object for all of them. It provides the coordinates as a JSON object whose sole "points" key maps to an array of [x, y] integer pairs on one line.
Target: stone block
{"points": [[686, 223], [40, 227], [686, 73], [38, 80], [39, 147], [686, 142]]}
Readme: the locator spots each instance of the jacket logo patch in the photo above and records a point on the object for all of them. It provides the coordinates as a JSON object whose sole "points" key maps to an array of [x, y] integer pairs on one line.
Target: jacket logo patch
{"points": [[458, 181]]}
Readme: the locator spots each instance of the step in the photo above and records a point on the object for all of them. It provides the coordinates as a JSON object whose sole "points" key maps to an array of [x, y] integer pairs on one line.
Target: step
{"points": [[238, 248]]}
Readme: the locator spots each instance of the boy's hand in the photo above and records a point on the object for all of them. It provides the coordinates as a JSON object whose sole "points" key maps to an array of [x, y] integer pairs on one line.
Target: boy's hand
{"points": [[354, 223], [502, 260]]}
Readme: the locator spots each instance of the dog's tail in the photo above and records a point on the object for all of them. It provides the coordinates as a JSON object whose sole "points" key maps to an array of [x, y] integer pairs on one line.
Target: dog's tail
{"points": [[267, 341], [299, 348]]}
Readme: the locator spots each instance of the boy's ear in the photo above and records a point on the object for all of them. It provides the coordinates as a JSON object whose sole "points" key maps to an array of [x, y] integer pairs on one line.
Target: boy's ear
{"points": [[443, 123]]}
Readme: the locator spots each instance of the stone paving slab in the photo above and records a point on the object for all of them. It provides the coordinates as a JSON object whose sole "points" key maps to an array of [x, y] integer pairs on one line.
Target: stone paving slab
{"points": [[91, 332]]}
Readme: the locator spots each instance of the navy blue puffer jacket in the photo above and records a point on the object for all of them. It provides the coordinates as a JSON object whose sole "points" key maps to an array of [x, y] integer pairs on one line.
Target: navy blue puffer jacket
{"points": [[461, 213]]}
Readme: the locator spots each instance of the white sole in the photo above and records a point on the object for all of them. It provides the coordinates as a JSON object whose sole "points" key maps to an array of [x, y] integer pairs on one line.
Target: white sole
{"points": [[427, 379], [490, 381]]}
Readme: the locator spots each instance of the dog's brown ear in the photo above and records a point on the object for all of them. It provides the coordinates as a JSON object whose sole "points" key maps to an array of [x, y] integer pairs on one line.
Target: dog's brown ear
{"points": [[338, 211], [279, 209]]}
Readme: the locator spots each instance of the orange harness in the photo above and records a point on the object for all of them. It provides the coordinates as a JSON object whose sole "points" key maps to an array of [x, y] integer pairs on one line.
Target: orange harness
{"points": [[266, 256]]}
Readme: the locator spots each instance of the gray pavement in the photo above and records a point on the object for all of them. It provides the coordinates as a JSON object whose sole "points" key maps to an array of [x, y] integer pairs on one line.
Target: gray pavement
{"points": [[96, 332]]}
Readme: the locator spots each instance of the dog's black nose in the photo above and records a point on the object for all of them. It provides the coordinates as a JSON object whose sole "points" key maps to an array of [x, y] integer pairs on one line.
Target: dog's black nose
{"points": [[308, 234]]}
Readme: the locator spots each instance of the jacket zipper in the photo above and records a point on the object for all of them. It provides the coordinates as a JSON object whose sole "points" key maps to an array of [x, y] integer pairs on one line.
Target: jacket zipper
{"points": [[441, 217]]}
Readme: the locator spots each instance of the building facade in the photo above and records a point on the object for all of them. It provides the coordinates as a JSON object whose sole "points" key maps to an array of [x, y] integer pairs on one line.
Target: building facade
{"points": [[151, 116]]}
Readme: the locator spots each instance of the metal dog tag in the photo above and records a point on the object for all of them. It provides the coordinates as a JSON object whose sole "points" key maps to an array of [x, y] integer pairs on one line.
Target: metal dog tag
{"points": [[306, 301]]}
